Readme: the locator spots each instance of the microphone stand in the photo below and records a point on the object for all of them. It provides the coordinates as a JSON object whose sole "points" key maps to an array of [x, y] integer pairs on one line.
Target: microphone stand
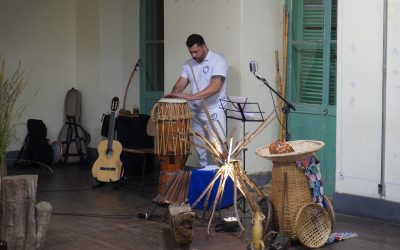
{"points": [[286, 108]]}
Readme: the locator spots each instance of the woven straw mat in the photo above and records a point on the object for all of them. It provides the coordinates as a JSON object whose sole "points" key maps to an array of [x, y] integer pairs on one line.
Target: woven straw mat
{"points": [[302, 149]]}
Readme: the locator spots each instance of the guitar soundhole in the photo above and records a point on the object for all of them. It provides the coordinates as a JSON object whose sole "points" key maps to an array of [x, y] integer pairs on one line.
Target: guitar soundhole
{"points": [[107, 169]]}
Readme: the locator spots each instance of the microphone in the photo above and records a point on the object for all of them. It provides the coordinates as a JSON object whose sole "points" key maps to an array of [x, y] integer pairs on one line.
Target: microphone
{"points": [[253, 67]]}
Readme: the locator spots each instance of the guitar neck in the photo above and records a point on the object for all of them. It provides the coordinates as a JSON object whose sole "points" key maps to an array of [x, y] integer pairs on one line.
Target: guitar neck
{"points": [[111, 132]]}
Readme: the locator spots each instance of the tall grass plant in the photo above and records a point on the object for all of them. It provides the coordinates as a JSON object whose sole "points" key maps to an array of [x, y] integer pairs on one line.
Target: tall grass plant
{"points": [[10, 90]]}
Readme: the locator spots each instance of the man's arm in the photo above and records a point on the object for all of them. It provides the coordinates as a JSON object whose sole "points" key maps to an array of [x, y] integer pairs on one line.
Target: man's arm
{"points": [[213, 88], [179, 87]]}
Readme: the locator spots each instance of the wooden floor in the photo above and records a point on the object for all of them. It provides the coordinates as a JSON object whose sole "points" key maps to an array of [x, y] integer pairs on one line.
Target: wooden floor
{"points": [[104, 218]]}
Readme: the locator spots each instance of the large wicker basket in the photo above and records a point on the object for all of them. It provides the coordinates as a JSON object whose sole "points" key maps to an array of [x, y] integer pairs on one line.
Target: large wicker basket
{"points": [[297, 194], [297, 188]]}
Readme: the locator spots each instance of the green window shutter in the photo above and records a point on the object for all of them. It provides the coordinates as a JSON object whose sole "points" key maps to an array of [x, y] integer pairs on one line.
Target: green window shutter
{"points": [[333, 56], [313, 19], [151, 53], [309, 66], [332, 77], [154, 44], [311, 76]]}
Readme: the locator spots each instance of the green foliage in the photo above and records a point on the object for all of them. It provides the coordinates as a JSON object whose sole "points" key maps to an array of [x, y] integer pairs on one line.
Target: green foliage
{"points": [[10, 90]]}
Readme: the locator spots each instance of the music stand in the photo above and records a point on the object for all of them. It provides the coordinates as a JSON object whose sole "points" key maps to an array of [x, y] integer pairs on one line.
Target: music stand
{"points": [[239, 108]]}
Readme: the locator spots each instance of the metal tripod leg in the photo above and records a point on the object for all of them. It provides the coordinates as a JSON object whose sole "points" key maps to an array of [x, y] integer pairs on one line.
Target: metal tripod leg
{"points": [[241, 204]]}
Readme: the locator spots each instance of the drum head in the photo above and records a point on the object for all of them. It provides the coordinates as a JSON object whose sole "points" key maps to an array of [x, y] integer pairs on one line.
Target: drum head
{"points": [[172, 100]]}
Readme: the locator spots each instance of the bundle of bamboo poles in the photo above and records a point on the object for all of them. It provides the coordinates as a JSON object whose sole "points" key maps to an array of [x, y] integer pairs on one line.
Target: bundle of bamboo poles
{"points": [[176, 190]]}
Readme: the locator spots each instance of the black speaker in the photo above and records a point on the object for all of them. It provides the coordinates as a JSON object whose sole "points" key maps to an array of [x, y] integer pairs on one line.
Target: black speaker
{"points": [[131, 133]]}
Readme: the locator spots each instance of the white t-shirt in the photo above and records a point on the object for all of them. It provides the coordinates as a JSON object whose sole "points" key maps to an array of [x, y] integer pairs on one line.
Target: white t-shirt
{"points": [[212, 65]]}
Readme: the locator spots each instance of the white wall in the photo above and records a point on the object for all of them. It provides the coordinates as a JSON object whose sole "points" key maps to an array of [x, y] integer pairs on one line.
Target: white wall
{"points": [[91, 45], [88, 64], [239, 30], [359, 106], [40, 34], [262, 35], [392, 175], [108, 49]]}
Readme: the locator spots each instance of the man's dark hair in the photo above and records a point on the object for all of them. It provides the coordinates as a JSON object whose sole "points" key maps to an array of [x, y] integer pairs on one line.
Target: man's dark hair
{"points": [[194, 39]]}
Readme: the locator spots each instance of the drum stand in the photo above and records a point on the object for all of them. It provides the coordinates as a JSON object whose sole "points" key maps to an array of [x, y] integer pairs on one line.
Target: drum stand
{"points": [[239, 109]]}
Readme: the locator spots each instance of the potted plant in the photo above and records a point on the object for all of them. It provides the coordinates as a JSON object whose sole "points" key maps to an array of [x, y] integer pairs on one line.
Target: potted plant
{"points": [[10, 90]]}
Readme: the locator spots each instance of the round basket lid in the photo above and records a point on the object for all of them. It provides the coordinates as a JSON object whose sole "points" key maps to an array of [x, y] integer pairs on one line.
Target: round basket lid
{"points": [[329, 209], [313, 225], [302, 149]]}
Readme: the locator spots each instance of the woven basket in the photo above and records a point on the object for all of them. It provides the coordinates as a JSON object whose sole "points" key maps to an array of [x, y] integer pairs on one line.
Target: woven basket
{"points": [[313, 225], [298, 194], [302, 149]]}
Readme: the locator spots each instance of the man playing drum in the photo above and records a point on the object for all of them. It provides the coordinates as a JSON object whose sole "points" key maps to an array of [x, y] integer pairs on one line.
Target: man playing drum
{"points": [[205, 73]]}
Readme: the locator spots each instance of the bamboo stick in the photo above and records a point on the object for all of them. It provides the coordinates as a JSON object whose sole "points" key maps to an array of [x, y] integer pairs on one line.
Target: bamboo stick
{"points": [[214, 150], [217, 197], [279, 90], [212, 138], [249, 198], [245, 141], [282, 136], [250, 183], [211, 184], [235, 188], [205, 204], [203, 104]]}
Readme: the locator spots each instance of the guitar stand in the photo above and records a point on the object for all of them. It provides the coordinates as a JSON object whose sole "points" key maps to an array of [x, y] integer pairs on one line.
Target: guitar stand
{"points": [[120, 183], [99, 184], [102, 183], [73, 136]]}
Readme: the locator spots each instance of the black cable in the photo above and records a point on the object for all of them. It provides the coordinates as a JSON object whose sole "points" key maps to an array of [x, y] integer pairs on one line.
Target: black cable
{"points": [[106, 216], [276, 112]]}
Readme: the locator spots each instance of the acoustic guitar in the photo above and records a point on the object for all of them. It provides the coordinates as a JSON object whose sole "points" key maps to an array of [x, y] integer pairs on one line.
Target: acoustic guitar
{"points": [[108, 166]]}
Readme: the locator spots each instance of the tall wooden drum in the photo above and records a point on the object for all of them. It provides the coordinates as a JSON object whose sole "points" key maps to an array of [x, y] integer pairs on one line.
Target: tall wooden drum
{"points": [[289, 186], [172, 119]]}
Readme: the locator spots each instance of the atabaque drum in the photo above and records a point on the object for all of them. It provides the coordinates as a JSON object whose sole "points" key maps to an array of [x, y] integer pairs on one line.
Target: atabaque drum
{"points": [[173, 120]]}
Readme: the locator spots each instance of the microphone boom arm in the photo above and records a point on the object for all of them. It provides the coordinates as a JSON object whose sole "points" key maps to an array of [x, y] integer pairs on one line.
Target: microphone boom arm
{"points": [[291, 106]]}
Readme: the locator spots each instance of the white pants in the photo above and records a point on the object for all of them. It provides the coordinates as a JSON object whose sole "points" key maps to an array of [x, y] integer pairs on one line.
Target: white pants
{"points": [[200, 120]]}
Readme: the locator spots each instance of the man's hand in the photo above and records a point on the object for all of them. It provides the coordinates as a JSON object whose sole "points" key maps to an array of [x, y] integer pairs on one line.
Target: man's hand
{"points": [[178, 95]]}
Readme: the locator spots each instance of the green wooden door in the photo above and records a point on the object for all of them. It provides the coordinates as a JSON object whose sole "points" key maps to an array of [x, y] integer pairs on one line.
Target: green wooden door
{"points": [[312, 78], [151, 53]]}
